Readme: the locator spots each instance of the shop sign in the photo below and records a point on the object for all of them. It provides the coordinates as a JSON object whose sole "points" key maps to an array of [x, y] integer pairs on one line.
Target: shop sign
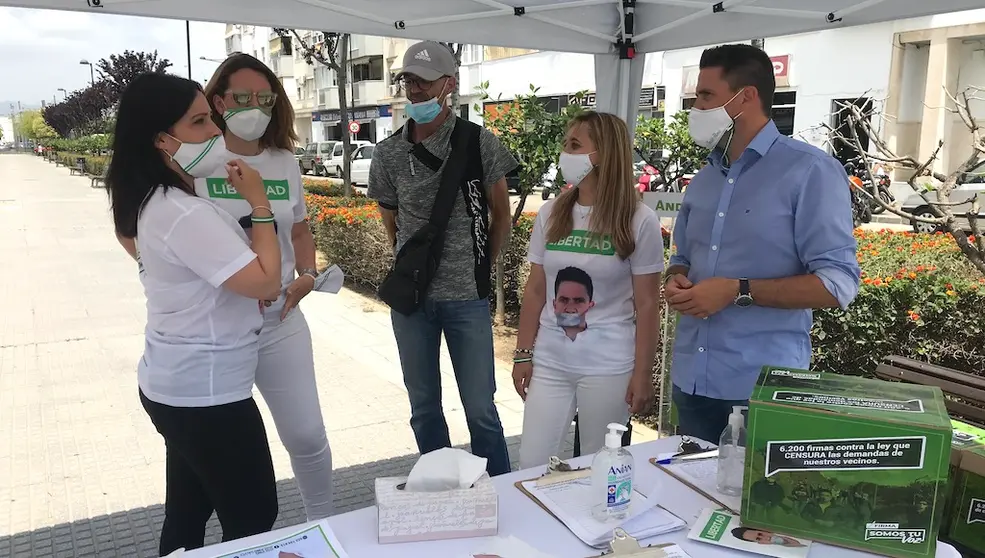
{"points": [[588, 100], [665, 204], [781, 71], [334, 116]]}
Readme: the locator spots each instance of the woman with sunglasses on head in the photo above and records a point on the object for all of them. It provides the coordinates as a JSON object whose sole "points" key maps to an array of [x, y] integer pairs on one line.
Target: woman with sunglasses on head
{"points": [[590, 313], [253, 111], [203, 318]]}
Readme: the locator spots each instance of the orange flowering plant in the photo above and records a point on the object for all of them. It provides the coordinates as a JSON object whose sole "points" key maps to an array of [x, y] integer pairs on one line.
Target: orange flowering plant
{"points": [[920, 297]]}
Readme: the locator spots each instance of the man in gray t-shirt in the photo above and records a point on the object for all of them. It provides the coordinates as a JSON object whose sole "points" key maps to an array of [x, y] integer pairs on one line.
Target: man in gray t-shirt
{"points": [[457, 301]]}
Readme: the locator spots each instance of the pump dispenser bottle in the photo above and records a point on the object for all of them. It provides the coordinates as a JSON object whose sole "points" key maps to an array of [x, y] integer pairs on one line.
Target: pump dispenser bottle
{"points": [[732, 453], [612, 478]]}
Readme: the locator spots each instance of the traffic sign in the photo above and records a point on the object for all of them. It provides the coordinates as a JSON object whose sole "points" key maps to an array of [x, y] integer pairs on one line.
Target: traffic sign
{"points": [[354, 127]]}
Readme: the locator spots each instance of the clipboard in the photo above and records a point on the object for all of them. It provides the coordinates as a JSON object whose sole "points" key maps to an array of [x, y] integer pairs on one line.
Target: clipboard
{"points": [[622, 543], [689, 484]]}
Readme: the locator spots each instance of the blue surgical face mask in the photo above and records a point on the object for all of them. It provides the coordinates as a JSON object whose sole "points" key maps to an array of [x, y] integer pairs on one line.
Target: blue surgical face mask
{"points": [[425, 111]]}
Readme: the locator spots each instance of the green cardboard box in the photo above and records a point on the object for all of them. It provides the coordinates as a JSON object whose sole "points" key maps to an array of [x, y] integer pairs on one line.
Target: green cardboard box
{"points": [[966, 527], [848, 461], [963, 436]]}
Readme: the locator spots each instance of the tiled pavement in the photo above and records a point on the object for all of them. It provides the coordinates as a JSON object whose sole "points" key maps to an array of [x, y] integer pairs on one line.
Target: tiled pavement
{"points": [[81, 466]]}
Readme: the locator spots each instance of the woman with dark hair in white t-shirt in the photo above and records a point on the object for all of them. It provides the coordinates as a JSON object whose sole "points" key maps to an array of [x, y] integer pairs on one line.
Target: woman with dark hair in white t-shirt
{"points": [[203, 279], [590, 313]]}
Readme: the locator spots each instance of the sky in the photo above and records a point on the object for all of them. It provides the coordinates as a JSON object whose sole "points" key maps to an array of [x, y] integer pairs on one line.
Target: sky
{"points": [[40, 50]]}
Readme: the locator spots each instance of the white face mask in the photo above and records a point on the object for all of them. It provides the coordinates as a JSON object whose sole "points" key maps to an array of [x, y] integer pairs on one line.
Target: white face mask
{"points": [[247, 123], [575, 166], [708, 126], [200, 159]]}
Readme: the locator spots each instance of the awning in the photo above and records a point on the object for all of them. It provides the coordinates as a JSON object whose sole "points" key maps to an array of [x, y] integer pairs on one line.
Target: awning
{"points": [[614, 30]]}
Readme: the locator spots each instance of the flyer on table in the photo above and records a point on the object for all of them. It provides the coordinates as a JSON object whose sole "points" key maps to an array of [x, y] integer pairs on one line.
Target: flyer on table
{"points": [[722, 528], [316, 541]]}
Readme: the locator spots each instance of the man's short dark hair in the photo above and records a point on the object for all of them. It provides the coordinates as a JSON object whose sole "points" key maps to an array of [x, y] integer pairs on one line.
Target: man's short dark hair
{"points": [[738, 532], [574, 275], [743, 66]]}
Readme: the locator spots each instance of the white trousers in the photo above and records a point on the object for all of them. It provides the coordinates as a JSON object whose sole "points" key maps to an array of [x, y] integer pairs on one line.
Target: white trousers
{"points": [[552, 399], [286, 378]]}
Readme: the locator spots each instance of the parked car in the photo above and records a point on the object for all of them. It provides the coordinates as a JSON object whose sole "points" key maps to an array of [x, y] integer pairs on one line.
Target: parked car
{"points": [[333, 162], [314, 157], [969, 185], [513, 181], [362, 157]]}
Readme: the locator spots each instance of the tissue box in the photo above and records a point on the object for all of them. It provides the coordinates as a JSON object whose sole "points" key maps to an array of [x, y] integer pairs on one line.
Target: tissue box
{"points": [[848, 461], [425, 516]]}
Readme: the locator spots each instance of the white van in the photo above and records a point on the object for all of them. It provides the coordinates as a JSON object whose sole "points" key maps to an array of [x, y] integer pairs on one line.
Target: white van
{"points": [[333, 163]]}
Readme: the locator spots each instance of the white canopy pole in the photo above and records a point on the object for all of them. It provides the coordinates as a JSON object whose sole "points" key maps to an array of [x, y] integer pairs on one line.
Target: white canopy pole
{"points": [[619, 75]]}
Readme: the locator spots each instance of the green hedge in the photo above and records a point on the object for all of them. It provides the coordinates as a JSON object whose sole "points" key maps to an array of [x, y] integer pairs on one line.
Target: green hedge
{"points": [[919, 298], [94, 164]]}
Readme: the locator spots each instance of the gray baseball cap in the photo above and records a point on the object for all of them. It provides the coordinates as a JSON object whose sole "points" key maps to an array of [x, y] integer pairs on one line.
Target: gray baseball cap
{"points": [[428, 60]]}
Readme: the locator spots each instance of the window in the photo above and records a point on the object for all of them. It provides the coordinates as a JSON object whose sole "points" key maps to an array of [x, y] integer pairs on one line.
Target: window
{"points": [[472, 54], [365, 153], [312, 148], [338, 150], [687, 103], [372, 71], [326, 146]]}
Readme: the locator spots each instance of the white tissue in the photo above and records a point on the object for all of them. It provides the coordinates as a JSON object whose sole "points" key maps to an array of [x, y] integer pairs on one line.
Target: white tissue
{"points": [[508, 547], [445, 469], [330, 280]]}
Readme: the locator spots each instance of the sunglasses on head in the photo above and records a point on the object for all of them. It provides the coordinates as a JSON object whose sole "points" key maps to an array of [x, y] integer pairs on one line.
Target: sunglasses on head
{"points": [[265, 99]]}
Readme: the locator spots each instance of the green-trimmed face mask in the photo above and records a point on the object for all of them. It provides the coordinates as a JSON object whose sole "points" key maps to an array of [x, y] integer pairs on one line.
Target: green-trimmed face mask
{"points": [[247, 123]]}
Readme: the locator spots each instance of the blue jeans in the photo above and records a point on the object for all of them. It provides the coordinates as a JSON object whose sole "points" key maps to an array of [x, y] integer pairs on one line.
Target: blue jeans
{"points": [[702, 417], [468, 333]]}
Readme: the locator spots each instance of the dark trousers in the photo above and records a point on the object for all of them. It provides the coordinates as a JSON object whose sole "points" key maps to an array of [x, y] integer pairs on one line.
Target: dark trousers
{"points": [[218, 460], [702, 417]]}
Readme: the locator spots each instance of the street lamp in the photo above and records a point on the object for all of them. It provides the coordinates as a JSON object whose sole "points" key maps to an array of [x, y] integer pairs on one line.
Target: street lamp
{"points": [[92, 75], [64, 93], [207, 59]]}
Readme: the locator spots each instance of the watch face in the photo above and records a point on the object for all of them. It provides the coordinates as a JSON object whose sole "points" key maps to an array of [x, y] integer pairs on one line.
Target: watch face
{"points": [[743, 301]]}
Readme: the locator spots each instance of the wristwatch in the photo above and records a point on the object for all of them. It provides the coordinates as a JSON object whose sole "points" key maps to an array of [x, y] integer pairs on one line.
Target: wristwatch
{"points": [[308, 271], [744, 298]]}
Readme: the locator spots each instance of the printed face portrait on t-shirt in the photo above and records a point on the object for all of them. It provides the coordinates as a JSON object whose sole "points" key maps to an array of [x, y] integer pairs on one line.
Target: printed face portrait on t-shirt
{"points": [[573, 298]]}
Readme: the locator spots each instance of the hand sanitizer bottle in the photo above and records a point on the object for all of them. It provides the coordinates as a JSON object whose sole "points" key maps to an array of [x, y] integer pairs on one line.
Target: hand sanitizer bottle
{"points": [[732, 454], [612, 478]]}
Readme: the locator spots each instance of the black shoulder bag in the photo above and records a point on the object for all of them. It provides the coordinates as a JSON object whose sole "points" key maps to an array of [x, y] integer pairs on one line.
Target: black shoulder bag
{"points": [[416, 264]]}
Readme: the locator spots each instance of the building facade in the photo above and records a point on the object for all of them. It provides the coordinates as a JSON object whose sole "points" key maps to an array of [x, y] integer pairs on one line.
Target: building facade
{"points": [[896, 67], [313, 88]]}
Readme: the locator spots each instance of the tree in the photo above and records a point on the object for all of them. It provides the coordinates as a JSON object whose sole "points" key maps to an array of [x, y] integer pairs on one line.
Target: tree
{"points": [[934, 187], [333, 53], [24, 125], [456, 50], [533, 134], [120, 69], [668, 147], [83, 112], [41, 130]]}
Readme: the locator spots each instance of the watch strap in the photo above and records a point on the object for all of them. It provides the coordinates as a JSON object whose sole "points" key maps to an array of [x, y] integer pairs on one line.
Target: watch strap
{"points": [[743, 287]]}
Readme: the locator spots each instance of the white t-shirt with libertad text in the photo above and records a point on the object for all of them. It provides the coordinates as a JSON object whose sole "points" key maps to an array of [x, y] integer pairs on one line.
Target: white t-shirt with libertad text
{"points": [[588, 323], [282, 177], [201, 340]]}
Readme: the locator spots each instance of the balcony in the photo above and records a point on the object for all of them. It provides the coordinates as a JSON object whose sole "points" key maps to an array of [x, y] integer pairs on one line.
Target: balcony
{"points": [[328, 98], [365, 46], [282, 66], [368, 92]]}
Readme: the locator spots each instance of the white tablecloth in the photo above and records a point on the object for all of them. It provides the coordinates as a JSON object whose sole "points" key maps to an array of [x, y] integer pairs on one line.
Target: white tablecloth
{"points": [[521, 517]]}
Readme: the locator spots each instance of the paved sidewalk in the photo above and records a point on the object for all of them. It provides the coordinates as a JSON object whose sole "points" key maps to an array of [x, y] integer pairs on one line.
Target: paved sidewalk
{"points": [[81, 466]]}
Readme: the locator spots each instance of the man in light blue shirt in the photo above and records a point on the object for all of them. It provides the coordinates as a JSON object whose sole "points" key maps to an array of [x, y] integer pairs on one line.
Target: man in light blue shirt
{"points": [[764, 235]]}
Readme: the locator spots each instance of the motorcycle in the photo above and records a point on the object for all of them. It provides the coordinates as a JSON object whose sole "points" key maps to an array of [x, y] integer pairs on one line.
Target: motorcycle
{"points": [[861, 211], [876, 183], [649, 180]]}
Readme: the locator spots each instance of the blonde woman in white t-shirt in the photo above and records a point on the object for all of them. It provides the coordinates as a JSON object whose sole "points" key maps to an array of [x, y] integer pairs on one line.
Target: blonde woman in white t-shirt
{"points": [[203, 279], [590, 314], [252, 109]]}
